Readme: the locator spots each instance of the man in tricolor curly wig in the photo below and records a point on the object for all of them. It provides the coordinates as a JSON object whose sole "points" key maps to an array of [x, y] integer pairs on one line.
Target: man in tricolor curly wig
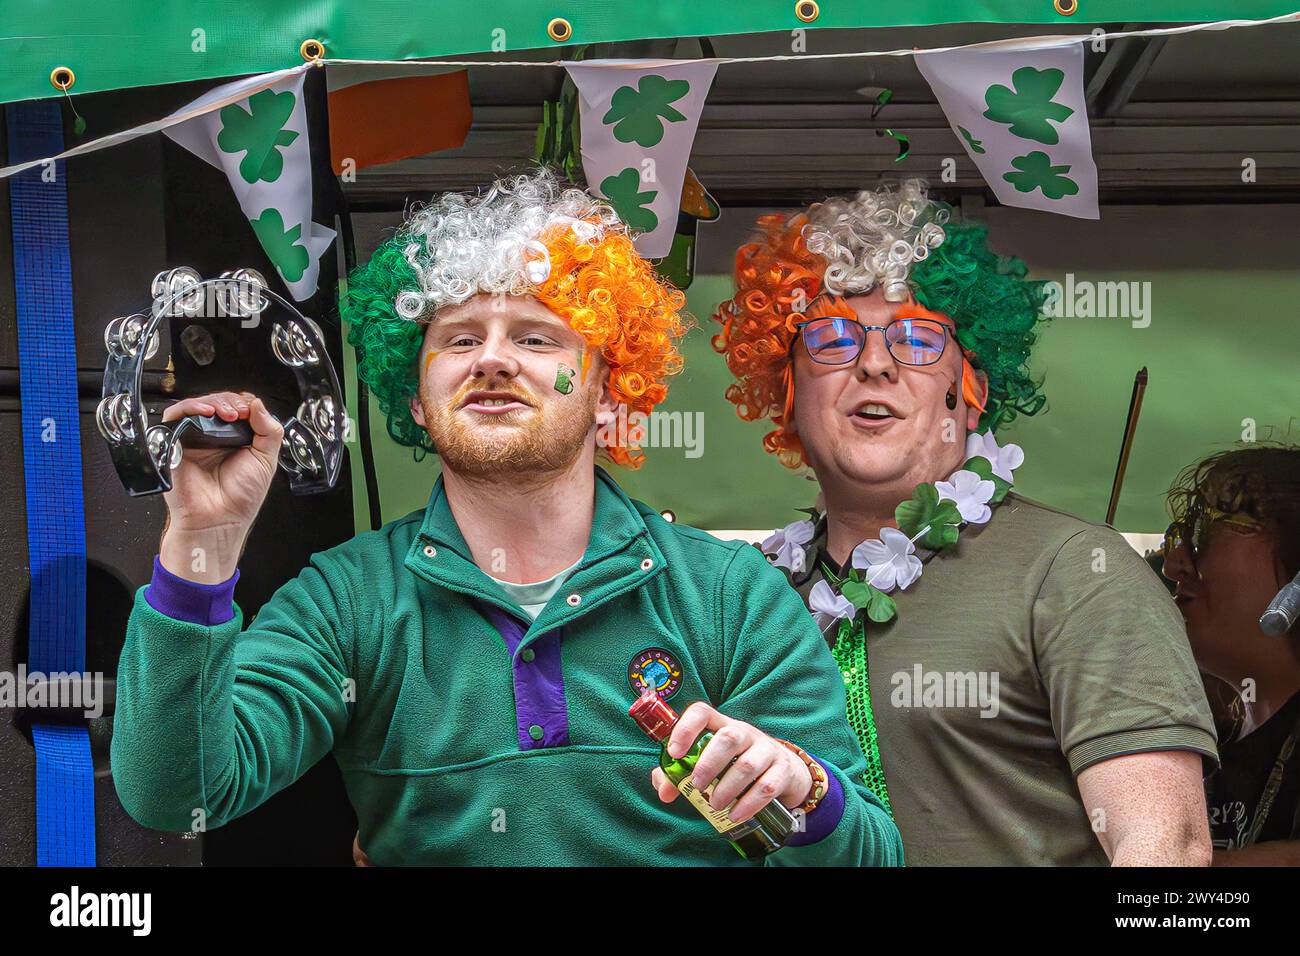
{"points": [[1017, 677], [528, 240], [472, 664]]}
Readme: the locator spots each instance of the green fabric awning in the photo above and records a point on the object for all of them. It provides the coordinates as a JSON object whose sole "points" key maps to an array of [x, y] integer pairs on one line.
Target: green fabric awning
{"points": [[129, 43]]}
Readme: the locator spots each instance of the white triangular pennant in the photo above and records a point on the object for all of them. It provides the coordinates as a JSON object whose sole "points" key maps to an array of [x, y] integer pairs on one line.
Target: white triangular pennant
{"points": [[638, 123], [1022, 118], [261, 144]]}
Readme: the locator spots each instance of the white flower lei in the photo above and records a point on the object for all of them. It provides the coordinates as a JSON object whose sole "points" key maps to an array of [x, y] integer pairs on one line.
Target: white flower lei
{"points": [[935, 513]]}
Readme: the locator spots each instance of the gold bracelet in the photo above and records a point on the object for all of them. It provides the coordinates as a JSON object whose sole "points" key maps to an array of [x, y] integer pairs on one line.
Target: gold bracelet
{"points": [[821, 783]]}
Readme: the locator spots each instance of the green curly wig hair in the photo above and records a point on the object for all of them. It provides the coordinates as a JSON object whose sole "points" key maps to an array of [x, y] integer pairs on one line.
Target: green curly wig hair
{"points": [[387, 345], [997, 311]]}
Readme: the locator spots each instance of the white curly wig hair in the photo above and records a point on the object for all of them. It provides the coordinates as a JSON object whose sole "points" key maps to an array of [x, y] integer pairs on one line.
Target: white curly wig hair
{"points": [[875, 237], [462, 245]]}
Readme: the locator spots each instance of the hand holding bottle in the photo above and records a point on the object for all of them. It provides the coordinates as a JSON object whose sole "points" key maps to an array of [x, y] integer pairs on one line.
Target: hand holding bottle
{"points": [[769, 770]]}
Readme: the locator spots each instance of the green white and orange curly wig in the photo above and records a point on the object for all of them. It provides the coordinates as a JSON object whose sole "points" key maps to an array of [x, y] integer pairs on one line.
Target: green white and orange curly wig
{"points": [[897, 238], [529, 234]]}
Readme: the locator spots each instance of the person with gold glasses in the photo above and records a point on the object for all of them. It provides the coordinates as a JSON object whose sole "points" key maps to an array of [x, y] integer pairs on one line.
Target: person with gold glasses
{"points": [[1234, 543]]}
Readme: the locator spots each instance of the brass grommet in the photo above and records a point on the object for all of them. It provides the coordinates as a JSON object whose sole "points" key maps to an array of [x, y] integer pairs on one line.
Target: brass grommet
{"points": [[559, 30], [1066, 8], [62, 78], [807, 10], [311, 49]]}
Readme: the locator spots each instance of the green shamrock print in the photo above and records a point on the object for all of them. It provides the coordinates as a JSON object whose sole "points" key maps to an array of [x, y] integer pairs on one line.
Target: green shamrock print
{"points": [[1037, 172], [976, 146], [1029, 109], [638, 114], [258, 132], [624, 194], [281, 246]]}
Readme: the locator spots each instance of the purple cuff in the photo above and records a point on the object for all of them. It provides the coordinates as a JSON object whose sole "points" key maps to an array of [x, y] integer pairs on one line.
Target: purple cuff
{"points": [[206, 604], [826, 816]]}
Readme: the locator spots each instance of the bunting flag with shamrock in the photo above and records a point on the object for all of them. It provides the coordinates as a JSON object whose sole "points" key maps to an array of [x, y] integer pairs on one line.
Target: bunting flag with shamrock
{"points": [[261, 144], [638, 121], [1021, 117]]}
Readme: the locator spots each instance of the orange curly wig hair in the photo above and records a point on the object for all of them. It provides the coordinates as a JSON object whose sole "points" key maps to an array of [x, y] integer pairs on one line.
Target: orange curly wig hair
{"points": [[613, 298]]}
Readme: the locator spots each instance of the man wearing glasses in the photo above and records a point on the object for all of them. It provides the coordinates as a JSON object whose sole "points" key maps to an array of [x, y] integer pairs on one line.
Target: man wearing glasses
{"points": [[1018, 678]]}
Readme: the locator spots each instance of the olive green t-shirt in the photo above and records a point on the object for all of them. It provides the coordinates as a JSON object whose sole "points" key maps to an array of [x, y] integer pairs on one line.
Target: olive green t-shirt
{"points": [[1036, 647]]}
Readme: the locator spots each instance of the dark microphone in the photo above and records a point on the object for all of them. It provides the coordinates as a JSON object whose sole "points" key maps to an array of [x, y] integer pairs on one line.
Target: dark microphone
{"points": [[1282, 610]]}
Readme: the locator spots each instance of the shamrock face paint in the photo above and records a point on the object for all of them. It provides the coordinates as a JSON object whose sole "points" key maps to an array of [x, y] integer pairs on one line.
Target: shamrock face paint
{"points": [[564, 379]]}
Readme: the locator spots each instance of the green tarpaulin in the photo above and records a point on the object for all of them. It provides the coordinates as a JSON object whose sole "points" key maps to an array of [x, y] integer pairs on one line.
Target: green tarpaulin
{"points": [[126, 44]]}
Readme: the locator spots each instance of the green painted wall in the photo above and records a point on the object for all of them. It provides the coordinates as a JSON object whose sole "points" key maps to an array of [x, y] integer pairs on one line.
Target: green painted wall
{"points": [[1220, 348]]}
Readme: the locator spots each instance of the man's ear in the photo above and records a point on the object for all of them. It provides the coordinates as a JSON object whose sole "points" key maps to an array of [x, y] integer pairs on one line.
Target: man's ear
{"points": [[975, 392], [422, 367], [606, 405], [788, 426]]}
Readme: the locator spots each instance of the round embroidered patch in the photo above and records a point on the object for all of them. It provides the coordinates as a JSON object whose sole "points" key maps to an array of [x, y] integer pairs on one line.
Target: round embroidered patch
{"points": [[655, 667]]}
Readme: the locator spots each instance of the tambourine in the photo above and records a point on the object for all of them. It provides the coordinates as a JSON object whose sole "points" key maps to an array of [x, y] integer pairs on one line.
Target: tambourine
{"points": [[145, 455]]}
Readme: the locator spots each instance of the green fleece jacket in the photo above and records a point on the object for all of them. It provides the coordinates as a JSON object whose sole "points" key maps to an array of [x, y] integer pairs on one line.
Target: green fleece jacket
{"points": [[466, 734]]}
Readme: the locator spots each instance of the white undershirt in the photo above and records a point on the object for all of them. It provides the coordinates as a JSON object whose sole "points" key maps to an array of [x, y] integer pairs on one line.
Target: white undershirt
{"points": [[535, 596]]}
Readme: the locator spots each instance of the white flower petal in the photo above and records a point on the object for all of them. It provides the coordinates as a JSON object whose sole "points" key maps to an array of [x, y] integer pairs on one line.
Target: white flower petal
{"points": [[970, 493], [784, 543], [796, 556], [882, 577], [909, 572], [897, 542], [1009, 458], [976, 446], [868, 553], [800, 532], [823, 600]]}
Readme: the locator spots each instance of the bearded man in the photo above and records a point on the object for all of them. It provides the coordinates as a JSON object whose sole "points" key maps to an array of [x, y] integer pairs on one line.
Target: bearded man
{"points": [[471, 665], [1018, 677]]}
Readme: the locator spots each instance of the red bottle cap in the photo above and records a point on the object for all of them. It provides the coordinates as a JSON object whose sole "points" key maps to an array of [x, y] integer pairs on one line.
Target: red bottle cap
{"points": [[653, 716]]}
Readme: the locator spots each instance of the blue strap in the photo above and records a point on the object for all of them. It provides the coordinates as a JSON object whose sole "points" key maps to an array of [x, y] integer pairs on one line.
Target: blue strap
{"points": [[56, 535], [65, 796]]}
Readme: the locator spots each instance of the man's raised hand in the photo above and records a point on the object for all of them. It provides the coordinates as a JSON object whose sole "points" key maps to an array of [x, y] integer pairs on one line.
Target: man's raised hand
{"points": [[217, 492]]}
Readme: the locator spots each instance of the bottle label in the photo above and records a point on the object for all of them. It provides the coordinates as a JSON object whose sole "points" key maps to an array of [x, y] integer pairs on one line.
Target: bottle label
{"points": [[721, 822]]}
